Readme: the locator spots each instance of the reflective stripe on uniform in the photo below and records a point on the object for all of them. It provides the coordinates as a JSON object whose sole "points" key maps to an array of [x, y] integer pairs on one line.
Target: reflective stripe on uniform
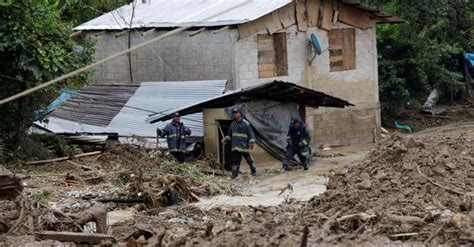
{"points": [[252, 140], [305, 142], [306, 154], [172, 135], [176, 150], [245, 150], [240, 135]]}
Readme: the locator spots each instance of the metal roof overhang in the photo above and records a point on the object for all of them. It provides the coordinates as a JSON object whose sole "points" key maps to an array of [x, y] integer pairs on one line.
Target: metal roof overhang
{"points": [[279, 91]]}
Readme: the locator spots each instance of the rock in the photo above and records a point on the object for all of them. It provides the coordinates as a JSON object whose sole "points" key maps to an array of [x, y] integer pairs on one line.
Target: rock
{"points": [[366, 184], [460, 221], [450, 165]]}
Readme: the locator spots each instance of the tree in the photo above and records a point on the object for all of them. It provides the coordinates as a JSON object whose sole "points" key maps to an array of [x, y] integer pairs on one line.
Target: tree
{"points": [[419, 55], [35, 47]]}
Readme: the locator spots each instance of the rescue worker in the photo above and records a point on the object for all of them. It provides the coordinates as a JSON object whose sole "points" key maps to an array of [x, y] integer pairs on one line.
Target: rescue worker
{"points": [[242, 141], [176, 133], [298, 144]]}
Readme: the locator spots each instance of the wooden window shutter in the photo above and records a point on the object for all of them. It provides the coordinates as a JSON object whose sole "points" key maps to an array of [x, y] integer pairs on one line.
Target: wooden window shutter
{"points": [[272, 55], [342, 54]]}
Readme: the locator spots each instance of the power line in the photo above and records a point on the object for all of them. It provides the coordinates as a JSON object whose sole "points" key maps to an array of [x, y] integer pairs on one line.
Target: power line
{"points": [[111, 57]]}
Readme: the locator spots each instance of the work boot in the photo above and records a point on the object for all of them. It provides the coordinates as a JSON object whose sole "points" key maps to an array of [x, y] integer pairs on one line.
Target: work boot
{"points": [[285, 167], [305, 166], [235, 172], [253, 170]]}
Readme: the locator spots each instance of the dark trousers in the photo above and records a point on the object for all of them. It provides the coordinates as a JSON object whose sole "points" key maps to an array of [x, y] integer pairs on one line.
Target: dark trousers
{"points": [[302, 153], [237, 158], [179, 156]]}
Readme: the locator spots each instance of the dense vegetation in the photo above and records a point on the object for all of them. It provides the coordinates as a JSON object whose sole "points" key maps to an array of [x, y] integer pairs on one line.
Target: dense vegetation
{"points": [[423, 53], [35, 46]]}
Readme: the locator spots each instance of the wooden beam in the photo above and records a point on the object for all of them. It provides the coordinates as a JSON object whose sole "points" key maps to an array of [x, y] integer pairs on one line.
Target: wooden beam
{"points": [[197, 32], [148, 32], [38, 162], [122, 33], [75, 34], [99, 33], [76, 237], [222, 29]]}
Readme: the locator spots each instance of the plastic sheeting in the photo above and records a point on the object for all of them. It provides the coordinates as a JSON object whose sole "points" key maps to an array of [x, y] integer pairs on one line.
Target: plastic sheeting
{"points": [[270, 121]]}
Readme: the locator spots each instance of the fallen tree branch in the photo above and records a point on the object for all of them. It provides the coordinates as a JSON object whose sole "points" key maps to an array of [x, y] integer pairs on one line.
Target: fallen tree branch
{"points": [[438, 184], [406, 219], [76, 237], [40, 162]]}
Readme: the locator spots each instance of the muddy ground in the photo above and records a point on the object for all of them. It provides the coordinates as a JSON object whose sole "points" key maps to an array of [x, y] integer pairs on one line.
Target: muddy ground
{"points": [[407, 190]]}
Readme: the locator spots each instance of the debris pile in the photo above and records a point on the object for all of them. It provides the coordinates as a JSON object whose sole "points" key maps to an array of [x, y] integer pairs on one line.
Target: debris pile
{"points": [[20, 215], [418, 188]]}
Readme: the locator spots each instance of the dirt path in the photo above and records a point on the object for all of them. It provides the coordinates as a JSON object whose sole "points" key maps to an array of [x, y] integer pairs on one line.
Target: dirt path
{"points": [[266, 189]]}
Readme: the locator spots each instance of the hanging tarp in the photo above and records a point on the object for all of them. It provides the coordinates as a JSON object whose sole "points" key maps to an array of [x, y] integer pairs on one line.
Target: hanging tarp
{"points": [[270, 121]]}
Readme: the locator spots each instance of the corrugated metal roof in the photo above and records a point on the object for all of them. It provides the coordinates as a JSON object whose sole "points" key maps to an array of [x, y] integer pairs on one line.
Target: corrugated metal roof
{"points": [[177, 13], [279, 91], [149, 98]]}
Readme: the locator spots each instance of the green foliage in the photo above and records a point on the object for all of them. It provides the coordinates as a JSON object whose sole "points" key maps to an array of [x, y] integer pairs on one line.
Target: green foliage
{"points": [[80, 11], [421, 54], [35, 47], [42, 196]]}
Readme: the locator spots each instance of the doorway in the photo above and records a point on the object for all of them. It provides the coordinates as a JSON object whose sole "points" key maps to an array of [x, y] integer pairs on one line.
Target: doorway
{"points": [[224, 151]]}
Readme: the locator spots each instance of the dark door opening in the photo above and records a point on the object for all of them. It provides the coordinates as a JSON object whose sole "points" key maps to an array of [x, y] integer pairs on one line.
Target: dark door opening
{"points": [[225, 156]]}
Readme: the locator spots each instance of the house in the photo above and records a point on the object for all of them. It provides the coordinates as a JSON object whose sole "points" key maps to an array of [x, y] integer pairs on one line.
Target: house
{"points": [[252, 42]]}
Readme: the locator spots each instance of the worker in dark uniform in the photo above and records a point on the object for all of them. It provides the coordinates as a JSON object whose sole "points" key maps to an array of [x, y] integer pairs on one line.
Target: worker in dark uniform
{"points": [[242, 140], [176, 133], [298, 143]]}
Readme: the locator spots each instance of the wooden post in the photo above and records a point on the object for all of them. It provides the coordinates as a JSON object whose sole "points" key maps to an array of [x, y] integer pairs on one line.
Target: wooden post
{"points": [[197, 32], [148, 32], [100, 33], [222, 29], [75, 34], [121, 33]]}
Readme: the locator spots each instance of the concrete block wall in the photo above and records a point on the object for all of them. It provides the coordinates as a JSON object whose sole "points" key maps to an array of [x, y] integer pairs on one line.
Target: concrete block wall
{"points": [[206, 56], [358, 124]]}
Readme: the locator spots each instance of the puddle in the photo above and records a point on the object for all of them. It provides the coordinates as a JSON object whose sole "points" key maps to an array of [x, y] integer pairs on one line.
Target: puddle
{"points": [[267, 192]]}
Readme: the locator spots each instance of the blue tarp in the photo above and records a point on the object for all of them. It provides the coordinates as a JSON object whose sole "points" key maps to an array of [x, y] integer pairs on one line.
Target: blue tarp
{"points": [[63, 97], [470, 58]]}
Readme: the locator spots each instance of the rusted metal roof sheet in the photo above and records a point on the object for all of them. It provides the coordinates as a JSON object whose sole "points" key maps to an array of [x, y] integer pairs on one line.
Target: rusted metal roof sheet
{"points": [[276, 91], [123, 109]]}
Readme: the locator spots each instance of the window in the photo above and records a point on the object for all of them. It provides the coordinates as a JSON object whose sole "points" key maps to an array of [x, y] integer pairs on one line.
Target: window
{"points": [[272, 55], [342, 49]]}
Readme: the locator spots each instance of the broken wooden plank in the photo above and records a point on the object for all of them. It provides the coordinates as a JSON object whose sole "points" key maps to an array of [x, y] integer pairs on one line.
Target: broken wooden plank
{"points": [[353, 16], [312, 8], [39, 162], [300, 15], [327, 12], [287, 15], [76, 237]]}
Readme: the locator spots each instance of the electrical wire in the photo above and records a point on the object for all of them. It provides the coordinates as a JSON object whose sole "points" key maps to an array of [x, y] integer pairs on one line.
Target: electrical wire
{"points": [[116, 55]]}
